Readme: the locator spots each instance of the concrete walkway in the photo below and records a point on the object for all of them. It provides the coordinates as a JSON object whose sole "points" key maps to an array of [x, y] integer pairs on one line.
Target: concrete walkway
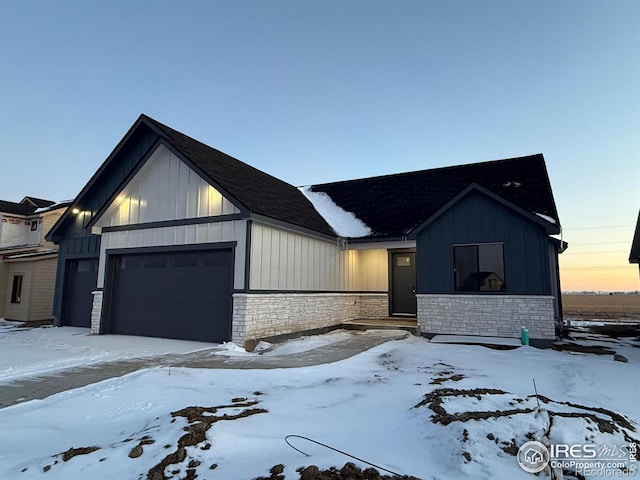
{"points": [[34, 388]]}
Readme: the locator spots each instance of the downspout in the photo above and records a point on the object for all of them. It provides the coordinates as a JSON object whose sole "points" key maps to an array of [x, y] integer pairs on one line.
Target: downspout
{"points": [[561, 249]]}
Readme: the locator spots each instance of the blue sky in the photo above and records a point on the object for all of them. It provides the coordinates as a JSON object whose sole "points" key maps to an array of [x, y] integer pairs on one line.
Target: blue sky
{"points": [[317, 91]]}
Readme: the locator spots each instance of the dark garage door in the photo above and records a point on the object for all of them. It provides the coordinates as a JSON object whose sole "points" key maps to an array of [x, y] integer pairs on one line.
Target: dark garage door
{"points": [[81, 279], [182, 295]]}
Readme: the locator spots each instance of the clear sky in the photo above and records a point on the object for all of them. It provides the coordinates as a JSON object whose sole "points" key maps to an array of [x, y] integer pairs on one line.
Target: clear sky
{"points": [[317, 91]]}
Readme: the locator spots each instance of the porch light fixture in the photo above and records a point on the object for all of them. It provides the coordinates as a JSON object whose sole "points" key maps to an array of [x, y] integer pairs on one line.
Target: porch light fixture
{"points": [[75, 211]]}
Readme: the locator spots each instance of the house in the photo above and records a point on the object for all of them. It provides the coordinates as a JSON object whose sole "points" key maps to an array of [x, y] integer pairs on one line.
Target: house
{"points": [[173, 238], [27, 261], [634, 254]]}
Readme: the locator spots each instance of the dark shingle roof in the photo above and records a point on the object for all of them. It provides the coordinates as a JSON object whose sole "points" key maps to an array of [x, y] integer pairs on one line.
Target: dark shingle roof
{"points": [[37, 202], [393, 205], [16, 208], [258, 191]]}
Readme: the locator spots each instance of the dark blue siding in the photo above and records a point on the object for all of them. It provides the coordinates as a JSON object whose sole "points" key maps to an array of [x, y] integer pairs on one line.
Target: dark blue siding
{"points": [[74, 239], [477, 218]]}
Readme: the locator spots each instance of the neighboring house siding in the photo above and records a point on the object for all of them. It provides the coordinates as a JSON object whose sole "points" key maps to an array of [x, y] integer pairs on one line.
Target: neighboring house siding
{"points": [[48, 220], [19, 311], [40, 306], [475, 219], [16, 231], [4, 281]]}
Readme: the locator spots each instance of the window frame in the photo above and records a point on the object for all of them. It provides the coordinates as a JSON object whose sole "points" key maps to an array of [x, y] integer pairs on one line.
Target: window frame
{"points": [[16, 288], [457, 283]]}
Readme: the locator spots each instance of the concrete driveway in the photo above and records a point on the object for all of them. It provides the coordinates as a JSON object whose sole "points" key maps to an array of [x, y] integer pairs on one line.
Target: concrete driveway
{"points": [[38, 386]]}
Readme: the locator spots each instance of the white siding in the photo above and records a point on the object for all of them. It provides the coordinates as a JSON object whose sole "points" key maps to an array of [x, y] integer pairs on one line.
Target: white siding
{"points": [[368, 270], [165, 188], [15, 231], [179, 235], [290, 261]]}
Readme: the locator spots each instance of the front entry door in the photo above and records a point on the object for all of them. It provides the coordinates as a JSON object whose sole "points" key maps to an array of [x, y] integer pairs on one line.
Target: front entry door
{"points": [[403, 284]]}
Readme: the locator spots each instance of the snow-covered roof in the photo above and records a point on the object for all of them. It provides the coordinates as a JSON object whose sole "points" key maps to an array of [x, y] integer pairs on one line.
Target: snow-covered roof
{"points": [[546, 217], [344, 223]]}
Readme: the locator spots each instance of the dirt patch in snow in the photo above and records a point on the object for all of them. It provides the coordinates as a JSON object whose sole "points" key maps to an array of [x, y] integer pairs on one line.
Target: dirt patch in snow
{"points": [[72, 452], [200, 420], [447, 378], [349, 471], [598, 419], [617, 330]]}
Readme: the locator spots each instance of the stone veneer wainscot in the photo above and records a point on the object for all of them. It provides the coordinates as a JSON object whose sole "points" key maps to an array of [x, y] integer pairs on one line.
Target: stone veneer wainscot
{"points": [[487, 315], [261, 315], [96, 311]]}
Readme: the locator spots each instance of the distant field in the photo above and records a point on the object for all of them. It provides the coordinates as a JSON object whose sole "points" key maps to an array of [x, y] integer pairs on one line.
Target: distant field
{"points": [[601, 306]]}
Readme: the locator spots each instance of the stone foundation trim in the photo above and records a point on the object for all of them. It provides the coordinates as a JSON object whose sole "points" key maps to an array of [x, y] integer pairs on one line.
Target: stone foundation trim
{"points": [[487, 315], [96, 311], [264, 315]]}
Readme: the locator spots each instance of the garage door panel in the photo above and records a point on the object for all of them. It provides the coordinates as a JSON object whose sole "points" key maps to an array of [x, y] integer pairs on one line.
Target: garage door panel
{"points": [[183, 295]]}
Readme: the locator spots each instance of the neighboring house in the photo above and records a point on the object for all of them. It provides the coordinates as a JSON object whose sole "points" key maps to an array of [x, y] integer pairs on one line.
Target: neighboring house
{"points": [[173, 238], [27, 261], [634, 254]]}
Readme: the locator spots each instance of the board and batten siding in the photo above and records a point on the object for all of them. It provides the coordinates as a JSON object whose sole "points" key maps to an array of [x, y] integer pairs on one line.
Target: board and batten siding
{"points": [[477, 219], [75, 240], [165, 188], [290, 261], [234, 231]]}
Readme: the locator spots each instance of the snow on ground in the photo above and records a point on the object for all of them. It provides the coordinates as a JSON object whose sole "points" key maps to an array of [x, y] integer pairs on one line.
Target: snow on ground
{"points": [[290, 347], [384, 405], [35, 351]]}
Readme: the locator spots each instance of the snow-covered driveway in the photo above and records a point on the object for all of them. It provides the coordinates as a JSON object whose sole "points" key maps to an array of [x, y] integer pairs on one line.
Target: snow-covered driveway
{"points": [[36, 351]]}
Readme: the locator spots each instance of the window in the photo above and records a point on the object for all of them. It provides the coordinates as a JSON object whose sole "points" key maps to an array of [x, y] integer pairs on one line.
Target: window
{"points": [[16, 290], [185, 259], [403, 261], [129, 262], [155, 260], [85, 265], [479, 268]]}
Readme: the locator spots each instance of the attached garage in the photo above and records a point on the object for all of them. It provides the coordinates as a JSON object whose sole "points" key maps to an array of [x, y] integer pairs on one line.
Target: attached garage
{"points": [[80, 281], [184, 294]]}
